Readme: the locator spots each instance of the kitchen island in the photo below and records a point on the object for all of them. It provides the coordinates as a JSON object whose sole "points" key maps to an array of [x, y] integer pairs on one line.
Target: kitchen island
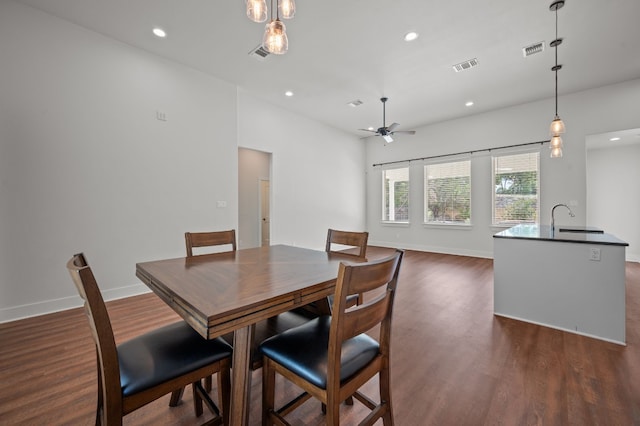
{"points": [[569, 278]]}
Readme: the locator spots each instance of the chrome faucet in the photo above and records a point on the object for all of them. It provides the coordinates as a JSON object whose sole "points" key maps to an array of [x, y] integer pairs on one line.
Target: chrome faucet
{"points": [[553, 226]]}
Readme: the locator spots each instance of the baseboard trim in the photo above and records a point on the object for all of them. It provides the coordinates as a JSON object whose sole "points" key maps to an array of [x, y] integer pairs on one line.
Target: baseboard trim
{"points": [[15, 313], [433, 249]]}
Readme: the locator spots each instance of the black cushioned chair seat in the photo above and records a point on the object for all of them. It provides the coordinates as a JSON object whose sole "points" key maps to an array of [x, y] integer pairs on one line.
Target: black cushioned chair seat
{"points": [[303, 350], [164, 354]]}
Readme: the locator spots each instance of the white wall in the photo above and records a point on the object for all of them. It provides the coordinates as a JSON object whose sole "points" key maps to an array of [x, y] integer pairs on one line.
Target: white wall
{"points": [[318, 173], [562, 180], [86, 166], [613, 198]]}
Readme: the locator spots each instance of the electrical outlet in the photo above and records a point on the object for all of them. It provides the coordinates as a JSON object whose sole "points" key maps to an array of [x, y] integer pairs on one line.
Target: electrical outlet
{"points": [[594, 253], [222, 204], [160, 115]]}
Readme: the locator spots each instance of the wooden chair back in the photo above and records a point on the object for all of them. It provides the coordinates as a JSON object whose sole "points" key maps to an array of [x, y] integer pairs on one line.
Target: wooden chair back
{"points": [[209, 239], [379, 277], [109, 389], [113, 403], [342, 341], [347, 238]]}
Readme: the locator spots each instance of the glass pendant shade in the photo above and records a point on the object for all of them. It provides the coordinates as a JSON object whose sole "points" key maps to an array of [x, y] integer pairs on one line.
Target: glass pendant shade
{"points": [[556, 152], [557, 126], [275, 38], [257, 10], [556, 142], [287, 8], [556, 146]]}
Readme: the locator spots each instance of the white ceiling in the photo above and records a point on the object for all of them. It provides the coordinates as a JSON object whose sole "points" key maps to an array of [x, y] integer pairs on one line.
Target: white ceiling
{"points": [[343, 50]]}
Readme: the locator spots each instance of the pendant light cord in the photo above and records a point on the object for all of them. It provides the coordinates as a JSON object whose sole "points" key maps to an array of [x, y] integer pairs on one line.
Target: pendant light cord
{"points": [[556, 67]]}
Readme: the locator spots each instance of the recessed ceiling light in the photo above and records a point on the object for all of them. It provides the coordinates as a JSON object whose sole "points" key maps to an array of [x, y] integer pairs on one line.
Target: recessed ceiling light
{"points": [[355, 103], [614, 139], [410, 36], [159, 32], [370, 128], [288, 93], [469, 103]]}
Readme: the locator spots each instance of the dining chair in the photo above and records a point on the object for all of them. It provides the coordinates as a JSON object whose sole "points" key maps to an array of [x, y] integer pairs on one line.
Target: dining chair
{"points": [[352, 244], [331, 357], [347, 239], [145, 368], [209, 239]]}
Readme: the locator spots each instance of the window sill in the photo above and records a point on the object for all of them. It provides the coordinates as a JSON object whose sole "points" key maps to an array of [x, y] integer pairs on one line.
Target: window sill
{"points": [[400, 224], [445, 225]]}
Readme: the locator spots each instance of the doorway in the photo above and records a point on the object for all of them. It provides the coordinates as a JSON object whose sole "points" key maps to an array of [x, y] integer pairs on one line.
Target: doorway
{"points": [[254, 198], [613, 201]]}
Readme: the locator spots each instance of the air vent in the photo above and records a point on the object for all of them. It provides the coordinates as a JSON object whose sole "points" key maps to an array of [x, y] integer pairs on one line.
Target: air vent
{"points": [[466, 65], [259, 52], [533, 49]]}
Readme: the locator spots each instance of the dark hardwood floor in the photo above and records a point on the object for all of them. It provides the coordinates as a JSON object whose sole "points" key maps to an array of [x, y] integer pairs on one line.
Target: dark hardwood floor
{"points": [[453, 361]]}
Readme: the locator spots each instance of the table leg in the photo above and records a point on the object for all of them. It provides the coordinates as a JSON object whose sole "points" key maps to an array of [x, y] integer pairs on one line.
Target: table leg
{"points": [[241, 376]]}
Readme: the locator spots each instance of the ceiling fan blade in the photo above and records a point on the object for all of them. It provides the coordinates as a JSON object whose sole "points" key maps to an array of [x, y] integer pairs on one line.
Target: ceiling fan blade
{"points": [[393, 126], [367, 130], [406, 132]]}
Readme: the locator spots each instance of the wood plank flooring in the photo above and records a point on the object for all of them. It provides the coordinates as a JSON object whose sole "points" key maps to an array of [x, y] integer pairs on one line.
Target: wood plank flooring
{"points": [[453, 361]]}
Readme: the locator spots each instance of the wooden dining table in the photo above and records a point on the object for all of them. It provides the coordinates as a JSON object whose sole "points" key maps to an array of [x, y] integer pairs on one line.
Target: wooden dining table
{"points": [[231, 291]]}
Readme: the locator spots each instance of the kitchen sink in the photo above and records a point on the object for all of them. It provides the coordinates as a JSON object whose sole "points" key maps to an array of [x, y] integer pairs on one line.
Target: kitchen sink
{"points": [[585, 230]]}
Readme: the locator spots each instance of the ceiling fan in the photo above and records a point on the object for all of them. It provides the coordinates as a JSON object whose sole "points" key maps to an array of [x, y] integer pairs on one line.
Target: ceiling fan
{"points": [[388, 132]]}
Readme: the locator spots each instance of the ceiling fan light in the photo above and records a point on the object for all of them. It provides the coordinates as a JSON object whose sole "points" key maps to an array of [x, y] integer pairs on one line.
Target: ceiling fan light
{"points": [[557, 126], [387, 138], [275, 38], [257, 10], [287, 8]]}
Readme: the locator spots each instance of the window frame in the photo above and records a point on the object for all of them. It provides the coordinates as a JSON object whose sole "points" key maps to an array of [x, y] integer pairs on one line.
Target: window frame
{"points": [[513, 222], [466, 224], [384, 210]]}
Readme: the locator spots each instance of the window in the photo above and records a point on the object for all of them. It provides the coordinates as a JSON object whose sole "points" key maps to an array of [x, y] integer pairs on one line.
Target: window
{"points": [[516, 195], [395, 195], [447, 193]]}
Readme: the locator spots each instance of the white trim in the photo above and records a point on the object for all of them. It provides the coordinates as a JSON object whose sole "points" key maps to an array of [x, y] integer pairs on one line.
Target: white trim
{"points": [[15, 313], [433, 249]]}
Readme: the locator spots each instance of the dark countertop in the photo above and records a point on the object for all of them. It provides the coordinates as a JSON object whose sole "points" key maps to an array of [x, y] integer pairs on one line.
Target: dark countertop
{"points": [[543, 233]]}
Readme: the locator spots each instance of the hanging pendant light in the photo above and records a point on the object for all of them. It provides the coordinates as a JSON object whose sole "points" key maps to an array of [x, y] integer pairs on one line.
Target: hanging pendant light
{"points": [[275, 34], [275, 38], [287, 8], [257, 10], [557, 125]]}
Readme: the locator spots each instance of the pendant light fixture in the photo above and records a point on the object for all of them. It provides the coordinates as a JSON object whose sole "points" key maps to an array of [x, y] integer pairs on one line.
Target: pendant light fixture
{"points": [[557, 125], [257, 10], [287, 8], [275, 38]]}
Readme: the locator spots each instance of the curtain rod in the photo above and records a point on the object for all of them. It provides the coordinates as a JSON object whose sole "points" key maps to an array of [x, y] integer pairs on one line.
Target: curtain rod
{"points": [[460, 153]]}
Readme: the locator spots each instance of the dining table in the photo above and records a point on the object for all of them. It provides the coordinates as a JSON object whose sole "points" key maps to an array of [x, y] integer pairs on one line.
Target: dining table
{"points": [[232, 291]]}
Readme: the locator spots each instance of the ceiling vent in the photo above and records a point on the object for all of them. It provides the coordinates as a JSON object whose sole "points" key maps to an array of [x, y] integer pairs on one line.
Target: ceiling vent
{"points": [[259, 52], [533, 49], [466, 65]]}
